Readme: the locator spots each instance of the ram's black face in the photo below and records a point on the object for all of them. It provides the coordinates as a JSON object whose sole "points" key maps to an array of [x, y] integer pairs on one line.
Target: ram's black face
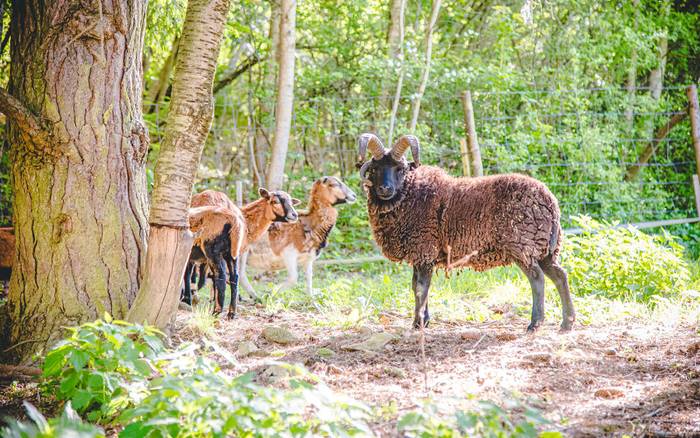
{"points": [[386, 177]]}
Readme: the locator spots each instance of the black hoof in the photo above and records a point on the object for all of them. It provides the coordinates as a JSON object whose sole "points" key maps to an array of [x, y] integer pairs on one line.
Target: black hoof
{"points": [[533, 327], [230, 315]]}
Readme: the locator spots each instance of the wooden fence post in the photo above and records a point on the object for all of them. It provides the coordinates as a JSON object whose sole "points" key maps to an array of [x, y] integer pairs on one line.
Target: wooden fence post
{"points": [[239, 193], [464, 152], [694, 113], [470, 129]]}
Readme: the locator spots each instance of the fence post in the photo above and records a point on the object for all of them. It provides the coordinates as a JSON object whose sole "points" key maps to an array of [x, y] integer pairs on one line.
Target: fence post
{"points": [[470, 129], [239, 193], [694, 113], [466, 169]]}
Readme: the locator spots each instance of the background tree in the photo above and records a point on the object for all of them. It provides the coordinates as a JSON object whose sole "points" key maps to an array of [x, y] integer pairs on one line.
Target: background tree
{"points": [[77, 153]]}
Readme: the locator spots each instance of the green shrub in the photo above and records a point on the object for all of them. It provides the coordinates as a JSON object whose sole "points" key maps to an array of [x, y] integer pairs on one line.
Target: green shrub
{"points": [[114, 368], [102, 365], [69, 424], [624, 262], [488, 420]]}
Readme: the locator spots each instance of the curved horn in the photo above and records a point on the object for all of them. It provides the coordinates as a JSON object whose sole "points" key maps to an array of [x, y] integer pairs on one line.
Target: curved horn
{"points": [[402, 144], [371, 142], [363, 170]]}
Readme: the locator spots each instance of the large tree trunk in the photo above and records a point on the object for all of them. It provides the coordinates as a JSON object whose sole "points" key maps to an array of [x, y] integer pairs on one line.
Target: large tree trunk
{"points": [[415, 107], [402, 72], [78, 145], [189, 120], [285, 94], [394, 47]]}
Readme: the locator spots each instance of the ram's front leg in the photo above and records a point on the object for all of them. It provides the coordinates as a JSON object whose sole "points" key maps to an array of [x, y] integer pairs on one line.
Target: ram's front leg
{"points": [[422, 275]]}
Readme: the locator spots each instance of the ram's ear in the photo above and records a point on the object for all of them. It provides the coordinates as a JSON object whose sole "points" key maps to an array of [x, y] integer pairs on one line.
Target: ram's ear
{"points": [[295, 202], [264, 193]]}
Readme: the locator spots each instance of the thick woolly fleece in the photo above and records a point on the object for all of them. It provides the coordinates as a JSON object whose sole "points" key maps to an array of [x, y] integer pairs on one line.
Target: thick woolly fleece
{"points": [[498, 220]]}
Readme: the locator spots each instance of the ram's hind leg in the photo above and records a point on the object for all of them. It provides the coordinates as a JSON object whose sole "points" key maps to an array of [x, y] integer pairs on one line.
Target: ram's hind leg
{"points": [[536, 277], [218, 265], [422, 275], [558, 276], [186, 296]]}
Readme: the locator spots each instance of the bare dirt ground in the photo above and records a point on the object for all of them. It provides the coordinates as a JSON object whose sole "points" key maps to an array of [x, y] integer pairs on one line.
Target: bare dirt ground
{"points": [[630, 378]]}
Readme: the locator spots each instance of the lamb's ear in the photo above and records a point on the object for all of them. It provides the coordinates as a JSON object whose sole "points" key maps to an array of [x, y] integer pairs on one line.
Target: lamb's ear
{"points": [[264, 193], [295, 202]]}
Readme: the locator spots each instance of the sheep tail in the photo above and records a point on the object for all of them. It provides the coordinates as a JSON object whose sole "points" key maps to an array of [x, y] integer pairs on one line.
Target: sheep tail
{"points": [[554, 238]]}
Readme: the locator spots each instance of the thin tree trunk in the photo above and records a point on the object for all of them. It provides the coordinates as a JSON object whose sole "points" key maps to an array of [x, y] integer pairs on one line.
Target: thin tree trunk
{"points": [[645, 156], [78, 145], [189, 120], [632, 73], [233, 74], [285, 94], [157, 91], [399, 82], [426, 69], [395, 38]]}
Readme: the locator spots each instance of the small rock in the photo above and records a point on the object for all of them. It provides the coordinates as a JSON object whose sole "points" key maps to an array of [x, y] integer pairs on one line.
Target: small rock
{"points": [[394, 372], [471, 335], [364, 330], [611, 352], [609, 393], [246, 348], [325, 352], [693, 348], [279, 335], [541, 357], [184, 306], [375, 343], [505, 337], [334, 369], [275, 374]]}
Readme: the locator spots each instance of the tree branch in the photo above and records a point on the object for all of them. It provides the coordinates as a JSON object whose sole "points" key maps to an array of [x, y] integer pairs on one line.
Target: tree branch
{"points": [[650, 148], [29, 124], [231, 76]]}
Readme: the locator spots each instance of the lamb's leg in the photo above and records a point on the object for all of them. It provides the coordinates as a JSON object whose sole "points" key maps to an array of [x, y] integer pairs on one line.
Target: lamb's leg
{"points": [[202, 277], [243, 259], [310, 276], [559, 278], [422, 275], [233, 273], [219, 268], [536, 277], [187, 293], [289, 255]]}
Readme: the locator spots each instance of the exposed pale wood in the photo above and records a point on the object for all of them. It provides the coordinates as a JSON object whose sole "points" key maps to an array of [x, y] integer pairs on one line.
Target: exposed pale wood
{"points": [[168, 247], [402, 71], [415, 106], [694, 112], [696, 191], [464, 152], [470, 129]]}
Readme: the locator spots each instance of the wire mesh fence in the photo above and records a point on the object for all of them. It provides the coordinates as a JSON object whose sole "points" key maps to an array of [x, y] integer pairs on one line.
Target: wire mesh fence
{"points": [[614, 154]]}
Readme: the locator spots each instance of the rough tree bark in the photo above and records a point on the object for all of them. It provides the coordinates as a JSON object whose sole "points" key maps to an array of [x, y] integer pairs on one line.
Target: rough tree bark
{"points": [[189, 120], [285, 94], [78, 145], [415, 106], [402, 72], [394, 46]]}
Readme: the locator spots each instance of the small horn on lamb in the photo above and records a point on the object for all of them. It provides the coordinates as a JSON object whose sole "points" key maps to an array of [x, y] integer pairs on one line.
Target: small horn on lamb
{"points": [[423, 216]]}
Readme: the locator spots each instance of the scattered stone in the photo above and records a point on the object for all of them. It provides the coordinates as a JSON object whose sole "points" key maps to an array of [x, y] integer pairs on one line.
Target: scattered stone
{"points": [[334, 369], [247, 348], [505, 337], [693, 348], [374, 344], [611, 352], [364, 330], [279, 335], [275, 374], [471, 335], [394, 372], [609, 393], [325, 352], [540, 357], [184, 306]]}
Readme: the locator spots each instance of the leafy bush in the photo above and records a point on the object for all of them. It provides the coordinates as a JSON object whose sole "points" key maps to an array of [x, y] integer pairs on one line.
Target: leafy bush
{"points": [[115, 368], [624, 262], [69, 424], [102, 364], [488, 420]]}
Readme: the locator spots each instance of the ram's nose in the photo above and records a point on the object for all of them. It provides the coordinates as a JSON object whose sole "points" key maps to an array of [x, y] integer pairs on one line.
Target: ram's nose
{"points": [[385, 192], [292, 217], [350, 198]]}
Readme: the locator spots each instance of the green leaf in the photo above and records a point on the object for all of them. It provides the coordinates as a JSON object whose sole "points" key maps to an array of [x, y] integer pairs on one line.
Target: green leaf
{"points": [[70, 379], [54, 361], [81, 399], [79, 359]]}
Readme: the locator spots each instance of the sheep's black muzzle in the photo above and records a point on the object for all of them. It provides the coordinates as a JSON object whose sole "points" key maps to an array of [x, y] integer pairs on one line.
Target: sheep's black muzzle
{"points": [[385, 193]]}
